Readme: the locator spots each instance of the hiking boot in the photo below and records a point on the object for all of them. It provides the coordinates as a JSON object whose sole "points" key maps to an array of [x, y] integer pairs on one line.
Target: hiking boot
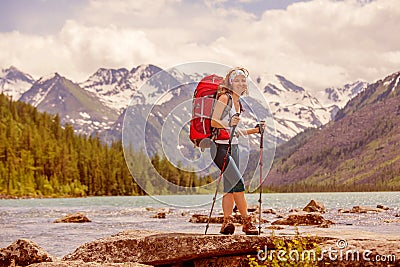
{"points": [[227, 227], [248, 226]]}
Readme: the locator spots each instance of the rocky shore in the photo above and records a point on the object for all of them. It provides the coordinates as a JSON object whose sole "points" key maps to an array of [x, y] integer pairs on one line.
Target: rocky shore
{"points": [[148, 248], [176, 249]]}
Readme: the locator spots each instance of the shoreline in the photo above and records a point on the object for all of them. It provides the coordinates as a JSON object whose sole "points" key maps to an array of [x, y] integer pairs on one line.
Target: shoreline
{"points": [[5, 196], [153, 248], [34, 219]]}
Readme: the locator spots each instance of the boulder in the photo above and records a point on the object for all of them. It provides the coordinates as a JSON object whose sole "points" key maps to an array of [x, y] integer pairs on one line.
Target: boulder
{"points": [[154, 248], [315, 206], [22, 253], [364, 209], [303, 219], [77, 217]]}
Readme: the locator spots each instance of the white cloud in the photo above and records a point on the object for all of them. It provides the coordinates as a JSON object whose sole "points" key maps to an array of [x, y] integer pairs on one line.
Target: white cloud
{"points": [[77, 51], [323, 43], [316, 44], [110, 46]]}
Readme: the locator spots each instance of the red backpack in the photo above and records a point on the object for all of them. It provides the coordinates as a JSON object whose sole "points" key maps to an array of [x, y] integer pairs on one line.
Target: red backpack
{"points": [[203, 105]]}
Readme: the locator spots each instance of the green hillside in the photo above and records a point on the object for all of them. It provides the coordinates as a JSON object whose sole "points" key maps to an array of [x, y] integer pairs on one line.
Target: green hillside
{"points": [[358, 151], [39, 157]]}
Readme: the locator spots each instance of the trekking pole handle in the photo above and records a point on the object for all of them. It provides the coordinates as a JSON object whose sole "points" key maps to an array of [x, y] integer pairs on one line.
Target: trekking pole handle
{"points": [[260, 127]]}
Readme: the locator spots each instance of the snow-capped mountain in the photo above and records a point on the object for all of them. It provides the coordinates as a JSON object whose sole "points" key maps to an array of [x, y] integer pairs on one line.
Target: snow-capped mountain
{"points": [[295, 108], [14, 83], [339, 96], [162, 92], [105, 95], [116, 87], [55, 94]]}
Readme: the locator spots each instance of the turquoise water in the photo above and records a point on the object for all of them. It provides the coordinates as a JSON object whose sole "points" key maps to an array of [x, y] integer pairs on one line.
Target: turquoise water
{"points": [[33, 218]]}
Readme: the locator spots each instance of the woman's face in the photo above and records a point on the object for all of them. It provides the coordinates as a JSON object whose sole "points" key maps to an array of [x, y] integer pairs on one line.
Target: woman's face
{"points": [[239, 84]]}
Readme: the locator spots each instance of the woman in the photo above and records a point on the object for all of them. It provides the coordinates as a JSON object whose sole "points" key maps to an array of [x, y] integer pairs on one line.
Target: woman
{"points": [[226, 156]]}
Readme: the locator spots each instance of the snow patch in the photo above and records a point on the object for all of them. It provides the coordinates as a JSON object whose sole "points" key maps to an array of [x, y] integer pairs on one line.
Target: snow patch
{"points": [[396, 84], [84, 115], [41, 95]]}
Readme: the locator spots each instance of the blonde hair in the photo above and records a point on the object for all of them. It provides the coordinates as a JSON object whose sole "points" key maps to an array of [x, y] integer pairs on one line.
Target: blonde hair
{"points": [[226, 85]]}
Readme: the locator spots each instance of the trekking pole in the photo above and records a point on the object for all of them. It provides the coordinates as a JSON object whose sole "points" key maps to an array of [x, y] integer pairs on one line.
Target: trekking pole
{"points": [[220, 175], [261, 129]]}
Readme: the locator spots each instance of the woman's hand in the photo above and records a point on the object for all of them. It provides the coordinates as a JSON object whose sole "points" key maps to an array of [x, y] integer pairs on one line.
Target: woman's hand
{"points": [[260, 127]]}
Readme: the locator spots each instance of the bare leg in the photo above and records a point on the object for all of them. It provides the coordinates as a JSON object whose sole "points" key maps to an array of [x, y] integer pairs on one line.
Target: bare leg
{"points": [[241, 203], [227, 204]]}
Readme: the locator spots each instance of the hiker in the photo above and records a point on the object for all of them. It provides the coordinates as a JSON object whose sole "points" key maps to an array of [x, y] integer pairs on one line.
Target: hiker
{"points": [[227, 158]]}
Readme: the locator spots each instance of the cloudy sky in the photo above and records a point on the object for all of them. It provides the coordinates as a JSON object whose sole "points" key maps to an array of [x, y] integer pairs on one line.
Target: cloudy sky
{"points": [[316, 43]]}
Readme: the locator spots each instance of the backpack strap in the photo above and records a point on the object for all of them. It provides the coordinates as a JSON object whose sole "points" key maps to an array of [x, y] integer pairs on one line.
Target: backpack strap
{"points": [[229, 104]]}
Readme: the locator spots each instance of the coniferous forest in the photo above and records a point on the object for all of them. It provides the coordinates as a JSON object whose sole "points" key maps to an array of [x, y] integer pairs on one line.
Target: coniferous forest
{"points": [[39, 157]]}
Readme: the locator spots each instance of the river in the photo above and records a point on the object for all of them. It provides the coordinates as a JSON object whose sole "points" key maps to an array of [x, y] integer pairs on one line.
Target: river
{"points": [[34, 218]]}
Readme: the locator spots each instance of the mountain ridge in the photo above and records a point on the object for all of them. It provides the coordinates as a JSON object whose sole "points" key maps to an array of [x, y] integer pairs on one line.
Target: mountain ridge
{"points": [[57, 95], [14, 82], [294, 107], [356, 150]]}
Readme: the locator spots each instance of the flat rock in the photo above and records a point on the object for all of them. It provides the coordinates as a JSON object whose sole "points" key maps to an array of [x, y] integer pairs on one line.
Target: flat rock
{"points": [[315, 206], [180, 249], [166, 248], [22, 253], [364, 209], [304, 219], [87, 264], [77, 217]]}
